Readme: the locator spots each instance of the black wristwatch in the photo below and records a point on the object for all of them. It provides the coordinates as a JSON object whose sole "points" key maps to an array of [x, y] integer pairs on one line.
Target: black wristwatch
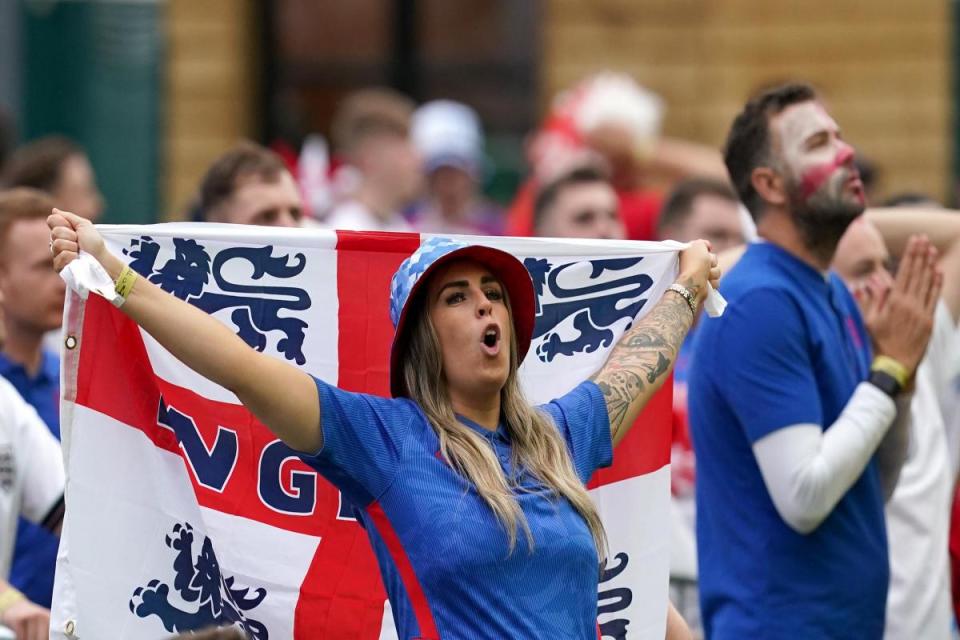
{"points": [[885, 382]]}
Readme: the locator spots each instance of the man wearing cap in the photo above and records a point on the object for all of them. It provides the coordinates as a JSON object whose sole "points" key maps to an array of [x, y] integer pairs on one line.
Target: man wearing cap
{"points": [[450, 140]]}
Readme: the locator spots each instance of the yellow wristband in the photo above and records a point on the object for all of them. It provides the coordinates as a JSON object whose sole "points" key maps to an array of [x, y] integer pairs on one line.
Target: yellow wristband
{"points": [[8, 598], [890, 366], [125, 281]]}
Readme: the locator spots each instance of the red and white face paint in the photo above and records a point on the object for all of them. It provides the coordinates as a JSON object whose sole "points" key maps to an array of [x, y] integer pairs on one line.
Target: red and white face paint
{"points": [[819, 163]]}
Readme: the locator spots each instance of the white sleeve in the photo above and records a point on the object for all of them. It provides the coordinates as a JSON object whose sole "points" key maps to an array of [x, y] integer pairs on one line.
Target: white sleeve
{"points": [[941, 363], [807, 469], [940, 369], [40, 460]]}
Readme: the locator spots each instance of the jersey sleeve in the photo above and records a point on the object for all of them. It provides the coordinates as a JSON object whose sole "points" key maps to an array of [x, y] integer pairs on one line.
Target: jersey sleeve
{"points": [[581, 417], [763, 365], [41, 462], [363, 438]]}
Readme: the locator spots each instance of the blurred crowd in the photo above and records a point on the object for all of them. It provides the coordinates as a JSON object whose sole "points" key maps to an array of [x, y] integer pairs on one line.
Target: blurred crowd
{"points": [[599, 166]]}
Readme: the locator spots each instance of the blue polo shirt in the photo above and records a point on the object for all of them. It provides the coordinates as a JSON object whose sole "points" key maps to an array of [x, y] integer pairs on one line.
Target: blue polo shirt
{"points": [[790, 348], [443, 555], [35, 552]]}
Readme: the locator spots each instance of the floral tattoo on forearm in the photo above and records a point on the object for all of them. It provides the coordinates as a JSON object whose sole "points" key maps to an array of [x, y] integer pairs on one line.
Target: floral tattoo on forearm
{"points": [[643, 357]]}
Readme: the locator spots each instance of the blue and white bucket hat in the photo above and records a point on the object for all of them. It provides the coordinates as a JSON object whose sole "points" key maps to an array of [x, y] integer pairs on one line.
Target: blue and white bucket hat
{"points": [[415, 271]]}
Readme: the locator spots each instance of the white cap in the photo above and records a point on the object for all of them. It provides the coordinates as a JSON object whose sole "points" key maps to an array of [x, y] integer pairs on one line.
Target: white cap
{"points": [[448, 133], [616, 97]]}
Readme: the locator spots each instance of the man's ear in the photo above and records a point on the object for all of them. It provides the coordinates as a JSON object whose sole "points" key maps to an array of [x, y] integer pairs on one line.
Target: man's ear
{"points": [[769, 185]]}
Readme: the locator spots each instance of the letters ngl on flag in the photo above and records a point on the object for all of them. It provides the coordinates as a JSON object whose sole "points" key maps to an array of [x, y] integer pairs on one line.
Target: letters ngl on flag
{"points": [[184, 512]]}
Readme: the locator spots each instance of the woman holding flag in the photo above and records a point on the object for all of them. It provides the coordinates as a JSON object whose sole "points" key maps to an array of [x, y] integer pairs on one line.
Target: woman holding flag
{"points": [[473, 500]]}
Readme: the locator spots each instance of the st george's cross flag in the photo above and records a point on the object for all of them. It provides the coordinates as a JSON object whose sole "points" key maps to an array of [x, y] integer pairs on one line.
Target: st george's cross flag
{"points": [[184, 512]]}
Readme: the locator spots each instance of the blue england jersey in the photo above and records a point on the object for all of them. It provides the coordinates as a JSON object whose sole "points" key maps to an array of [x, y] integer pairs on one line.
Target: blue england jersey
{"points": [[790, 349], [443, 555]]}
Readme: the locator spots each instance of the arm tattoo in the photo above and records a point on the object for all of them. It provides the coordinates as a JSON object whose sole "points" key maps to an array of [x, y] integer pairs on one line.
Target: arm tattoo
{"points": [[642, 359]]}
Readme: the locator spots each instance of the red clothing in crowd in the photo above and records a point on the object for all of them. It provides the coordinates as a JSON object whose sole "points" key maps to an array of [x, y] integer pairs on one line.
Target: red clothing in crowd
{"points": [[955, 553]]}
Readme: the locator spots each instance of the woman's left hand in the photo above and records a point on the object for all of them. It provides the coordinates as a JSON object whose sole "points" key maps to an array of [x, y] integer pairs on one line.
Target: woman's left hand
{"points": [[698, 266]]}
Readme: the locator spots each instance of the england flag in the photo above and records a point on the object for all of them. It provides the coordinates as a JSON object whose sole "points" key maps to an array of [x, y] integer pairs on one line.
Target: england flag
{"points": [[184, 512]]}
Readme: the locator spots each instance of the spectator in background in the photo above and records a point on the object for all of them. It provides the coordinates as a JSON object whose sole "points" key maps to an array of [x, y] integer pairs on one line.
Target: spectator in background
{"points": [[450, 141], [708, 209], [578, 204], [58, 166], [371, 132], [31, 464], [798, 436], [704, 209], [611, 116], [32, 305], [918, 513], [249, 184]]}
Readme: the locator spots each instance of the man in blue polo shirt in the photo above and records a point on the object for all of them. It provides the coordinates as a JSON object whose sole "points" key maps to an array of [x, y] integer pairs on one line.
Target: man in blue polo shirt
{"points": [[795, 424], [32, 304]]}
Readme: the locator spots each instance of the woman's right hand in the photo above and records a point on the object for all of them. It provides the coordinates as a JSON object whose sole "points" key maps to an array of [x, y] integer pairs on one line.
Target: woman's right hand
{"points": [[698, 266], [69, 233]]}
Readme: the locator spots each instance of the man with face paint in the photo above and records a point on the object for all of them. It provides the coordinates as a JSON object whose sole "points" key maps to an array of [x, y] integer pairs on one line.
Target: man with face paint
{"points": [[796, 425]]}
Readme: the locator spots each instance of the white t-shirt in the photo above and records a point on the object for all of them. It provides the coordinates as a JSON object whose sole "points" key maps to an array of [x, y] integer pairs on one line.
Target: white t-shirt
{"points": [[31, 469], [354, 216], [918, 513]]}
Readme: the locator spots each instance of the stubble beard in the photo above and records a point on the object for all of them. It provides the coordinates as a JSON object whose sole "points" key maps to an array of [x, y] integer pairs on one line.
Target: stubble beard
{"points": [[823, 218]]}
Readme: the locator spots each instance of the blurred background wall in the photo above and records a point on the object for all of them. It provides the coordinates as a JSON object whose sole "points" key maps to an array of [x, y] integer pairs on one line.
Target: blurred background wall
{"points": [[884, 67], [156, 88]]}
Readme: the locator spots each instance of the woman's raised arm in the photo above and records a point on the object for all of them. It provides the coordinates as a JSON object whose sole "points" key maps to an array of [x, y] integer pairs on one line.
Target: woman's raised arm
{"points": [[644, 356], [281, 396]]}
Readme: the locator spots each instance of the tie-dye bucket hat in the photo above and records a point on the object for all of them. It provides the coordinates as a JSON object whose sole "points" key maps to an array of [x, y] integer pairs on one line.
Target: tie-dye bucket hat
{"points": [[415, 272]]}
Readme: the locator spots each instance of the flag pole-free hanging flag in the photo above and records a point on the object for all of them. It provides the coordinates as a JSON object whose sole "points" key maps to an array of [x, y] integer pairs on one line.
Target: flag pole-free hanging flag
{"points": [[184, 512]]}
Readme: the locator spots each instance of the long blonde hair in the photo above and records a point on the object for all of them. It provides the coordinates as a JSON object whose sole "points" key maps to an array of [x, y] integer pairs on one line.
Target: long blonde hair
{"points": [[537, 444]]}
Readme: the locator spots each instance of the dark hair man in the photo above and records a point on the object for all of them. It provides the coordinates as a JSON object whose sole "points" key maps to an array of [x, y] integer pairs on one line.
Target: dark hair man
{"points": [[580, 203], [702, 208], [249, 184], [32, 306], [795, 424], [58, 166], [371, 132]]}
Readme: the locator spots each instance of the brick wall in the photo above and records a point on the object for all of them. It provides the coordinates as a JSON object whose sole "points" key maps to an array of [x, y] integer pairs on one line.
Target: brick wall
{"points": [[883, 67], [210, 93]]}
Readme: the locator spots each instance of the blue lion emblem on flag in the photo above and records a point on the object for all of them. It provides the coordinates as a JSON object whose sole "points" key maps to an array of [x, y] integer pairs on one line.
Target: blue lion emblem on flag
{"points": [[217, 600], [594, 305], [256, 308]]}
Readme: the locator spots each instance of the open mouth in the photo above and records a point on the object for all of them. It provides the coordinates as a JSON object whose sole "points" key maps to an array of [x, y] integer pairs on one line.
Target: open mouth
{"points": [[491, 339]]}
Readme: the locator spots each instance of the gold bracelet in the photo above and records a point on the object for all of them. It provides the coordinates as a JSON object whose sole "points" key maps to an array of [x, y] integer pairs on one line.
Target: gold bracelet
{"points": [[125, 281], [8, 598], [893, 368]]}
